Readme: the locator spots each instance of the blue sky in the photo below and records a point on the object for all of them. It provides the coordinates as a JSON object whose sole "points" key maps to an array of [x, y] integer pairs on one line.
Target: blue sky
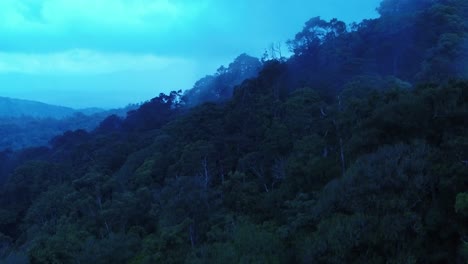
{"points": [[108, 53]]}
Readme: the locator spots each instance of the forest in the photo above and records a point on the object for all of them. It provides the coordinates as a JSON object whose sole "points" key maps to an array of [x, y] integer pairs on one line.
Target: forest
{"points": [[352, 150]]}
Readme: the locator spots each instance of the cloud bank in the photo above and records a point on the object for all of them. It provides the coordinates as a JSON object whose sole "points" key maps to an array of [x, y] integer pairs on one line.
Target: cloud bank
{"points": [[84, 62], [157, 45]]}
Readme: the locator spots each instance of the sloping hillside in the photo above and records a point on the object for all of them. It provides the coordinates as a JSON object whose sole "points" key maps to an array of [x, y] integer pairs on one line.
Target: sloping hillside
{"points": [[10, 107], [354, 150]]}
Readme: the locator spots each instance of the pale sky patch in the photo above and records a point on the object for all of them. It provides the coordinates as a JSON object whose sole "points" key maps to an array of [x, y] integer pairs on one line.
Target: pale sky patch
{"points": [[53, 16], [84, 62]]}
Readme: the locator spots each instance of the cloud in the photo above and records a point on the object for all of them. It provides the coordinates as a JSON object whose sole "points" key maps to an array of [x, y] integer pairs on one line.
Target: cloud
{"points": [[84, 62], [66, 51], [115, 25], [194, 28], [52, 16]]}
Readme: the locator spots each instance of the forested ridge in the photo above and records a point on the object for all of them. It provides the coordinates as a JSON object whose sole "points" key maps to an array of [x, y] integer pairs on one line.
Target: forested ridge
{"points": [[33, 127], [353, 150]]}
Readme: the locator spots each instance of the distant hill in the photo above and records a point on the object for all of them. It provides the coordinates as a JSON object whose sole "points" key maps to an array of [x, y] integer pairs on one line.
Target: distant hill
{"points": [[25, 123], [10, 107]]}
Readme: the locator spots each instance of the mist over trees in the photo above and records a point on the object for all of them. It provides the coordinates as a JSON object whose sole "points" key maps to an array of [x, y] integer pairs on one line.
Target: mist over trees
{"points": [[220, 86], [353, 150]]}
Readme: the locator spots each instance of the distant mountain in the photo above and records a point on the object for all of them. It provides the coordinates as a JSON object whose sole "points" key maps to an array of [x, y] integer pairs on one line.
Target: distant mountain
{"points": [[10, 107], [25, 123]]}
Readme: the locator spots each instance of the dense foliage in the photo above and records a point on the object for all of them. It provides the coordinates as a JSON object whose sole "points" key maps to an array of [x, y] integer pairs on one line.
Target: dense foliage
{"points": [[354, 150]]}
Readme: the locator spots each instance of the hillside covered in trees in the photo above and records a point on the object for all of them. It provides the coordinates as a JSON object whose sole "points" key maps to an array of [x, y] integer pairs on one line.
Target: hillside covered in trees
{"points": [[353, 150]]}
